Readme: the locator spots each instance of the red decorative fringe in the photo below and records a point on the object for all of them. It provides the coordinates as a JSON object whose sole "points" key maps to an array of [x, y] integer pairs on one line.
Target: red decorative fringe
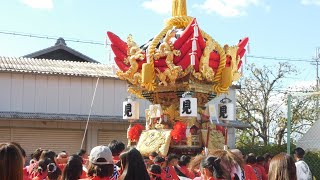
{"points": [[179, 132], [135, 132], [221, 129]]}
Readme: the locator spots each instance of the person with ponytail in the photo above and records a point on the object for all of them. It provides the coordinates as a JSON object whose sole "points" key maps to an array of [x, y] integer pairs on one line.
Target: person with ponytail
{"points": [[211, 169], [47, 169]]}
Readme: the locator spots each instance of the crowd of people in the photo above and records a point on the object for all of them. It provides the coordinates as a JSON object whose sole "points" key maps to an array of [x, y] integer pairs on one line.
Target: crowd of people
{"points": [[115, 162]]}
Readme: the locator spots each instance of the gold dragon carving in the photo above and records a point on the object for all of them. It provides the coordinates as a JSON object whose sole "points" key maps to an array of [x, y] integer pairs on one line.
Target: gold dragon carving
{"points": [[134, 53], [167, 50], [235, 60]]}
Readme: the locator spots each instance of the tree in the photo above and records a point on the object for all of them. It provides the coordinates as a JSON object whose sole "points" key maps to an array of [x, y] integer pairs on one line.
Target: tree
{"points": [[262, 104]]}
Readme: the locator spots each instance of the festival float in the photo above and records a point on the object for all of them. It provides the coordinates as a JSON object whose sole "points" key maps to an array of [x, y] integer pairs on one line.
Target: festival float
{"points": [[179, 71]]}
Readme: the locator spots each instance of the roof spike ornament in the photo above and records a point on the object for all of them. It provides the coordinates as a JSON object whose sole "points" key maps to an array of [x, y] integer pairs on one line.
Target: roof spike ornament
{"points": [[179, 8]]}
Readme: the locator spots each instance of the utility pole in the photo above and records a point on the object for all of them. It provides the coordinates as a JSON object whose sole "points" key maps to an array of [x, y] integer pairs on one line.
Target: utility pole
{"points": [[289, 125], [317, 57]]}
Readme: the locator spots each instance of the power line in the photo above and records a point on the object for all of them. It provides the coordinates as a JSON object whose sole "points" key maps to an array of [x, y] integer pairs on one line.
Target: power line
{"points": [[281, 59], [51, 37]]}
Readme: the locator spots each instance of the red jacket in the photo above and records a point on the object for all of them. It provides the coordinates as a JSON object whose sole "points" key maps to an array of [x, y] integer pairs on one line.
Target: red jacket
{"points": [[187, 172], [170, 173], [96, 178], [263, 171], [249, 172]]}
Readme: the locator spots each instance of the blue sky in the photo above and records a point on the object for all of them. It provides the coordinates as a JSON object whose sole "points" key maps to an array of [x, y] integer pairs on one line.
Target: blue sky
{"points": [[286, 28]]}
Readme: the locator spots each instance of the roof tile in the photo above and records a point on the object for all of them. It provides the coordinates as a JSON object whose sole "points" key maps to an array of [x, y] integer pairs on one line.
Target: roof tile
{"points": [[48, 66]]}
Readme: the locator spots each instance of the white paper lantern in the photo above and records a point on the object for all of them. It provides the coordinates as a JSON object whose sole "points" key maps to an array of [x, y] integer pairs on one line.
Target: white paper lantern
{"points": [[188, 107], [130, 109], [155, 111], [226, 110]]}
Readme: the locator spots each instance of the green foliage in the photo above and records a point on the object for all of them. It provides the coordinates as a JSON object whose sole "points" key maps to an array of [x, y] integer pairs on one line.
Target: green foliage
{"points": [[313, 160], [261, 150]]}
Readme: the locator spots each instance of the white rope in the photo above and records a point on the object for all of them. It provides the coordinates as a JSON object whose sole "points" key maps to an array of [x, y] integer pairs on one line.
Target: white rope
{"points": [[85, 131]]}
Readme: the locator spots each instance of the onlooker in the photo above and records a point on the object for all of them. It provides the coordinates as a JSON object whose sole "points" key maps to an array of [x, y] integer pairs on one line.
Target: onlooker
{"points": [[62, 158], [84, 155], [282, 167], [153, 155], [11, 162], [230, 163], [159, 161], [250, 172], [211, 169], [24, 156], [47, 169], [267, 158], [73, 169], [100, 164], [155, 172], [260, 164], [171, 162], [36, 154], [123, 162], [195, 165], [116, 148], [53, 157], [303, 171], [183, 167], [241, 165], [135, 168]]}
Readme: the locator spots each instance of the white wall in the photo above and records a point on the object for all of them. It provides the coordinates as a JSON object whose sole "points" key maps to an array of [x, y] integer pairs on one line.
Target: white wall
{"points": [[25, 92]]}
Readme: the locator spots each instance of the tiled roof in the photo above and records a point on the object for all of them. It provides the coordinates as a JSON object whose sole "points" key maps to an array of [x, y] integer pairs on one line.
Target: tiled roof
{"points": [[59, 117], [48, 66], [60, 45]]}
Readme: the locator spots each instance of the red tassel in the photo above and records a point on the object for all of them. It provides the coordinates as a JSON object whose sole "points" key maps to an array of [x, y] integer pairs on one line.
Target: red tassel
{"points": [[179, 132], [135, 132]]}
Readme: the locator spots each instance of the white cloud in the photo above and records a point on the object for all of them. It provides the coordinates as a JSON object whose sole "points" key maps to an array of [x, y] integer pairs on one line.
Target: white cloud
{"points": [[310, 2], [158, 6], [39, 4], [229, 8]]}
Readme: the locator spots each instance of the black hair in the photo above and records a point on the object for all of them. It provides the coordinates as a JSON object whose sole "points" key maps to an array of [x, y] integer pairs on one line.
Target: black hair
{"points": [[251, 159], [184, 160], [155, 171], [260, 159], [267, 156], [154, 154], [82, 152], [48, 154], [73, 169], [171, 156], [36, 154], [299, 152], [103, 170], [158, 159], [54, 172], [135, 168], [116, 147], [213, 165]]}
